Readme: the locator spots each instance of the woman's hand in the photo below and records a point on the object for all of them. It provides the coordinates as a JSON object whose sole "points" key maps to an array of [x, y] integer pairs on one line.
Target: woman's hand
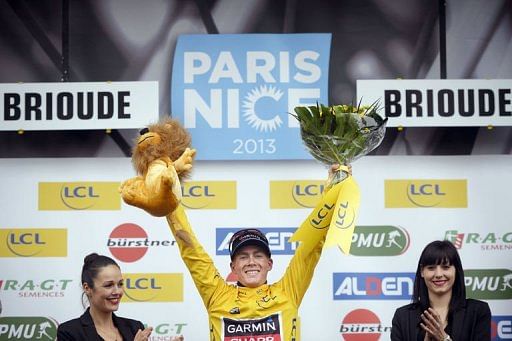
{"points": [[433, 325], [143, 335]]}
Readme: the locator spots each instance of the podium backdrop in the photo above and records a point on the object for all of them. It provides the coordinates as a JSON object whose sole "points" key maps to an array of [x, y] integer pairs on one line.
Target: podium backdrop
{"points": [[56, 211]]}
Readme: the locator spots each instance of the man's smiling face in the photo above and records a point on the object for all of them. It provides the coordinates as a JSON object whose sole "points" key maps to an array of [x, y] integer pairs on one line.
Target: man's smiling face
{"points": [[251, 265]]}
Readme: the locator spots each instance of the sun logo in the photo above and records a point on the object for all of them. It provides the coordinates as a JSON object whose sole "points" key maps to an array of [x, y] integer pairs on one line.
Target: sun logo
{"points": [[249, 108]]}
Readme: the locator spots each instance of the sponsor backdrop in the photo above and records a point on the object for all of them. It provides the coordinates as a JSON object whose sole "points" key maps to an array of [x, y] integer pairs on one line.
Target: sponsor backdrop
{"points": [[56, 211]]}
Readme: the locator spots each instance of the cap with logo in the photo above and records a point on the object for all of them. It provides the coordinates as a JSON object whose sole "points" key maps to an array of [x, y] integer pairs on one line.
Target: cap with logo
{"points": [[248, 237]]}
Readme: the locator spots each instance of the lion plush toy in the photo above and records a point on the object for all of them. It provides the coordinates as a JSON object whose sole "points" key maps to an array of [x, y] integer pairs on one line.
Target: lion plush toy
{"points": [[161, 156]]}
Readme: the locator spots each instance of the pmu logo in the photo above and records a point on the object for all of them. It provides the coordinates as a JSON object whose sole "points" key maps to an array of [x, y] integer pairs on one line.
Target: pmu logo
{"points": [[425, 193], [235, 91], [295, 194], [129, 242], [150, 287], [501, 328], [28, 328], [373, 286], [490, 241], [35, 288], [64, 196], [362, 325], [384, 240], [277, 239], [209, 195], [489, 284], [33, 242]]}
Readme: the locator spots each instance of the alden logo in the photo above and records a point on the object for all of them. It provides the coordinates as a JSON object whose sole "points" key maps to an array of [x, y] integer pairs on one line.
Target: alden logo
{"points": [[28, 328], [385, 240], [489, 284], [295, 194], [64, 196], [373, 286], [150, 287], [426, 193], [209, 195], [501, 328], [33, 243], [277, 239]]}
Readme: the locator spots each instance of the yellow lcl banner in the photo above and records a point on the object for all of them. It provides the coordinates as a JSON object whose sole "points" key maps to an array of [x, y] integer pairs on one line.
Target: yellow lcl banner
{"points": [[33, 242], [153, 287], [337, 211], [64, 196]]}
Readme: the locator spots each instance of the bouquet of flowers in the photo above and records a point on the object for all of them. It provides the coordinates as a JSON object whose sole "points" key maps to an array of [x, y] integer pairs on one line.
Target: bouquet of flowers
{"points": [[340, 133]]}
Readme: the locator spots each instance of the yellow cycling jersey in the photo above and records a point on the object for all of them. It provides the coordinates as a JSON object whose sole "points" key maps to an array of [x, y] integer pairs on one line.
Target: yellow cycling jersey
{"points": [[266, 313]]}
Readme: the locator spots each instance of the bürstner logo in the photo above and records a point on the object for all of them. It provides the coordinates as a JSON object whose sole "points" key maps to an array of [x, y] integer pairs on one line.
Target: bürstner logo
{"points": [[129, 242], [235, 91], [385, 240], [62, 196], [501, 328], [425, 193], [277, 239], [489, 284], [28, 328], [373, 286], [488, 241], [362, 325]]}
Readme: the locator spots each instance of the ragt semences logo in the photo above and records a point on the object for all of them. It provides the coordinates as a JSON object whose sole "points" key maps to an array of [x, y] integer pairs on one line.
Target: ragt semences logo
{"points": [[234, 92], [487, 241]]}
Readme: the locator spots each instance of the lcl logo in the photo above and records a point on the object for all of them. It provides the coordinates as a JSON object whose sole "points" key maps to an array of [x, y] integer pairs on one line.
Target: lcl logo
{"points": [[142, 283], [26, 239], [79, 192], [197, 191], [308, 190], [426, 189]]}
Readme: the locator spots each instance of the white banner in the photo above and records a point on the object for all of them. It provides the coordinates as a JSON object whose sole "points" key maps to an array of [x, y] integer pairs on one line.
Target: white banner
{"points": [[70, 106], [441, 102], [55, 216]]}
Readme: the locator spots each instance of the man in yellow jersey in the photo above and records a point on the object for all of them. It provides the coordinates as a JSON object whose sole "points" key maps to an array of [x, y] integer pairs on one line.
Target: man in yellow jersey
{"points": [[253, 310]]}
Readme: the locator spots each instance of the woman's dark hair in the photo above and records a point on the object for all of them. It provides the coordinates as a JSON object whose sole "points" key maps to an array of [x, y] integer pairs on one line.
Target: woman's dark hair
{"points": [[93, 263], [440, 252]]}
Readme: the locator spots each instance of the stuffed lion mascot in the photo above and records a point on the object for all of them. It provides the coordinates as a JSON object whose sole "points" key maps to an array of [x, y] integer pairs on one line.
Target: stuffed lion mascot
{"points": [[161, 157]]}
